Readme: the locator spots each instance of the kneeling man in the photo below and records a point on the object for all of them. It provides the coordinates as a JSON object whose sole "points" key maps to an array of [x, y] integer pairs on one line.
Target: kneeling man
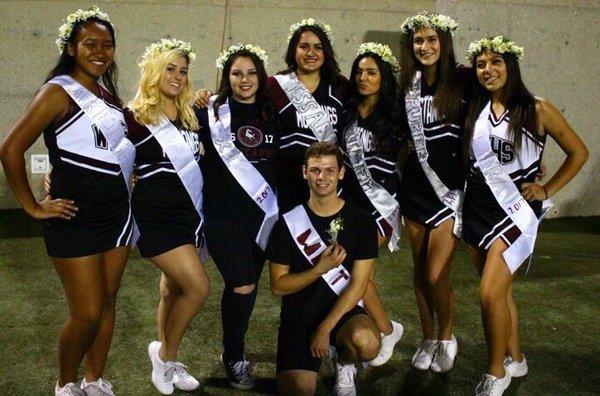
{"points": [[320, 256]]}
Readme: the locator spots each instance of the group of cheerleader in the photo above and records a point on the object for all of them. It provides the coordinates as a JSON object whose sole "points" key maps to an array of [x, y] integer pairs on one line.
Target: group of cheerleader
{"points": [[212, 179]]}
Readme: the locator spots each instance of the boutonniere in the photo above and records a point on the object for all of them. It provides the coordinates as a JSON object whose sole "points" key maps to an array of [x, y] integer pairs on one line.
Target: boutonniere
{"points": [[335, 227]]}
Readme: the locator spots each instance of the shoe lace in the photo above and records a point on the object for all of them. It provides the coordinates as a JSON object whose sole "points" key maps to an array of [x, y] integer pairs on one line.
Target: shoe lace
{"points": [[486, 385], [346, 373], [427, 348], [101, 385], [240, 369], [181, 370]]}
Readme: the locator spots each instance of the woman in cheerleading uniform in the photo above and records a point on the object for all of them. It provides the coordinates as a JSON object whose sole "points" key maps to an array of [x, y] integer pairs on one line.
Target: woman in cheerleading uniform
{"points": [[239, 192], [167, 200], [309, 97], [371, 146], [507, 128], [88, 224], [431, 187]]}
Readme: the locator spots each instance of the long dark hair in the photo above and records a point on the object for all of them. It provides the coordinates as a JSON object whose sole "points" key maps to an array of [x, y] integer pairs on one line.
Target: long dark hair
{"points": [[66, 63], [384, 120], [449, 92], [330, 69], [517, 99], [225, 91]]}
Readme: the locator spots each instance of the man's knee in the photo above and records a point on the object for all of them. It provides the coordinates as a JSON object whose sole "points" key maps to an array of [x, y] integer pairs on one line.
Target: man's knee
{"points": [[366, 342]]}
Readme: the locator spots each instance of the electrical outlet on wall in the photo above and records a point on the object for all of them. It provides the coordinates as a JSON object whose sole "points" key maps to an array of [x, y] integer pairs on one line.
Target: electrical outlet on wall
{"points": [[40, 163]]}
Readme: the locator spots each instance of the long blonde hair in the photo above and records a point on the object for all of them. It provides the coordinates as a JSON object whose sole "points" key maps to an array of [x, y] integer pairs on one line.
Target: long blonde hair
{"points": [[148, 101]]}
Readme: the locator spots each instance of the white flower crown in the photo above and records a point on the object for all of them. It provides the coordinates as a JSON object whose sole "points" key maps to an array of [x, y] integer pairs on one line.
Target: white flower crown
{"points": [[498, 44], [425, 19], [382, 50], [225, 55], [65, 30], [325, 28], [164, 45]]}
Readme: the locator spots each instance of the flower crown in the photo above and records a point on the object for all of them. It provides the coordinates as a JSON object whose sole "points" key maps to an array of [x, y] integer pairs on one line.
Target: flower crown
{"points": [[65, 30], [425, 19], [164, 45], [498, 44], [382, 50], [325, 28], [225, 55]]}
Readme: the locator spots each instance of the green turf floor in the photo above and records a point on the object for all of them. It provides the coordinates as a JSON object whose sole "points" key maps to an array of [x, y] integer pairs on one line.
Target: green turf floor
{"points": [[559, 301]]}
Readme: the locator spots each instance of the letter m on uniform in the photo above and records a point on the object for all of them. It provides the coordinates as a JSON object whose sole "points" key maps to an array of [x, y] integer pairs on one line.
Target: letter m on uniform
{"points": [[99, 138]]}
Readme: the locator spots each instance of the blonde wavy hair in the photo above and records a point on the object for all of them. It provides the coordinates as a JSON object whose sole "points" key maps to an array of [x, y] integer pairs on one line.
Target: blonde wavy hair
{"points": [[148, 101]]}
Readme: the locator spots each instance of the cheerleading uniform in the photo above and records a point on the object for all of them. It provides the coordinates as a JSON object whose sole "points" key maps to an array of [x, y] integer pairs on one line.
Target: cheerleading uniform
{"points": [[381, 163], [295, 136], [418, 200], [163, 209], [85, 170], [484, 219], [232, 218]]}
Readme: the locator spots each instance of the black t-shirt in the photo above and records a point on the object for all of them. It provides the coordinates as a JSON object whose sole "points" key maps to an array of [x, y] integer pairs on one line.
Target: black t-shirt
{"points": [[223, 195], [358, 237], [381, 164]]}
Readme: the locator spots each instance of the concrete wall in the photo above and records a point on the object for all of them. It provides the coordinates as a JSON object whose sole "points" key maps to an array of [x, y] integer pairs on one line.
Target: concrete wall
{"points": [[28, 30]]}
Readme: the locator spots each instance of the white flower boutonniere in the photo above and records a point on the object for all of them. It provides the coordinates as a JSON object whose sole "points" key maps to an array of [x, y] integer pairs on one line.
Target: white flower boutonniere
{"points": [[335, 227]]}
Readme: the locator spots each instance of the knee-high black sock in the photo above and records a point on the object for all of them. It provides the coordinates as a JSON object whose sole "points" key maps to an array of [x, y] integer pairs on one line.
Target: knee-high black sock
{"points": [[235, 315]]}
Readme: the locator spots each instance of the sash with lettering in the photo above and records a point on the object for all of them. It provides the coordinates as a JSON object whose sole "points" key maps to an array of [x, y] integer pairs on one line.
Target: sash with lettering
{"points": [[307, 107], [452, 199], [506, 193], [382, 201], [311, 246], [184, 163], [243, 171], [111, 123]]}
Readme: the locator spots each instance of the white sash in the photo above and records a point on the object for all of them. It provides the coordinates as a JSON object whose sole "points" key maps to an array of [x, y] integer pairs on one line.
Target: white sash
{"points": [[185, 164], [243, 171], [452, 199], [311, 246], [307, 107], [506, 193], [110, 122], [383, 201]]}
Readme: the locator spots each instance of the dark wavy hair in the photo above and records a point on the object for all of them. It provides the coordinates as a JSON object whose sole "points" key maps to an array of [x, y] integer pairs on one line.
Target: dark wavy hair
{"points": [[330, 69], [225, 91], [519, 102], [449, 92], [384, 120], [66, 63]]}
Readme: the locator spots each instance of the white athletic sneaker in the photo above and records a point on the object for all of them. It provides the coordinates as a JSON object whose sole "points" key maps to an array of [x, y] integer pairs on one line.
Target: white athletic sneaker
{"points": [[238, 373], [443, 361], [387, 344], [492, 386], [422, 358], [344, 380], [162, 372], [99, 387], [69, 389], [516, 369], [182, 380]]}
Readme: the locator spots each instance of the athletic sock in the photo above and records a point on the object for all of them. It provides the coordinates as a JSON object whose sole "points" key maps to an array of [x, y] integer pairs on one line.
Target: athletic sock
{"points": [[236, 309]]}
